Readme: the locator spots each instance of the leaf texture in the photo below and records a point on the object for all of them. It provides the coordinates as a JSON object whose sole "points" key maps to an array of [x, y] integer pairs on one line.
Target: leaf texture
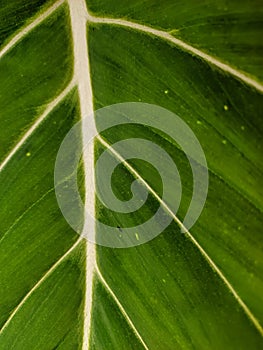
{"points": [[195, 290]]}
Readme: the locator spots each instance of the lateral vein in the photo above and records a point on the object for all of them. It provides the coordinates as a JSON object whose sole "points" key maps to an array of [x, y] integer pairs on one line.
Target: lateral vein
{"points": [[37, 285], [121, 308], [213, 265], [183, 45], [30, 131], [25, 212], [24, 31]]}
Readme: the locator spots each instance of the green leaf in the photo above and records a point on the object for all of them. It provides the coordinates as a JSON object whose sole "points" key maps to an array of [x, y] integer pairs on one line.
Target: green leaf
{"points": [[199, 289]]}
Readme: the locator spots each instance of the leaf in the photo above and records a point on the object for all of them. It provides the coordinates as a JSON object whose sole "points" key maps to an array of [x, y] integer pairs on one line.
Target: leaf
{"points": [[197, 289]]}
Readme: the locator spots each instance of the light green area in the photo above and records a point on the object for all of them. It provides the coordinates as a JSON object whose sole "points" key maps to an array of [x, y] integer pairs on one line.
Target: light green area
{"points": [[231, 30], [166, 286]]}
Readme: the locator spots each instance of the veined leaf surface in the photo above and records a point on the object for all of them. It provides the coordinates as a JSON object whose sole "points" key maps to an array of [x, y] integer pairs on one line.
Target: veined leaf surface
{"points": [[196, 290]]}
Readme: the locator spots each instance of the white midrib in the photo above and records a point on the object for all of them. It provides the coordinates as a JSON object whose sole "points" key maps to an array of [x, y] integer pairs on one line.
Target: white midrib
{"points": [[78, 12], [79, 16]]}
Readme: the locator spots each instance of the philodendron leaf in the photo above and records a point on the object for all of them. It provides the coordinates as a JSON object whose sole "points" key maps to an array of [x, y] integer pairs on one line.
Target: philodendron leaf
{"points": [[185, 289]]}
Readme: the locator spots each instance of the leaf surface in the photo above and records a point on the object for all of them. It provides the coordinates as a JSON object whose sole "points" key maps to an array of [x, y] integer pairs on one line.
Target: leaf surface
{"points": [[196, 290]]}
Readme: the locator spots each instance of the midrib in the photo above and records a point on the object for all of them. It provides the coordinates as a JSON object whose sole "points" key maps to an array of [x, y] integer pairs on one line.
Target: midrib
{"points": [[78, 14]]}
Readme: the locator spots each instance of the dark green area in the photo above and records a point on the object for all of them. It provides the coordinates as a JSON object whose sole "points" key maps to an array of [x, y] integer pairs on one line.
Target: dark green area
{"points": [[231, 30], [33, 232], [121, 186], [140, 70], [123, 179], [174, 298], [15, 14], [109, 327], [52, 317], [30, 81]]}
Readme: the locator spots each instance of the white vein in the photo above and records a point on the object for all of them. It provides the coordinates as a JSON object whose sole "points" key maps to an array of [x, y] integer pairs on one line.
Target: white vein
{"points": [[31, 130], [36, 286], [82, 75], [192, 50], [29, 27], [79, 15], [121, 308], [78, 12], [189, 235]]}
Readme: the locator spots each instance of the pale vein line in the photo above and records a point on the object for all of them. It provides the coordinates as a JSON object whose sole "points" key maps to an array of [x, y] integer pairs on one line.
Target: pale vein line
{"points": [[78, 14], [14, 224], [30, 131], [189, 235], [121, 308], [180, 43], [24, 31], [37, 285], [239, 75]]}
